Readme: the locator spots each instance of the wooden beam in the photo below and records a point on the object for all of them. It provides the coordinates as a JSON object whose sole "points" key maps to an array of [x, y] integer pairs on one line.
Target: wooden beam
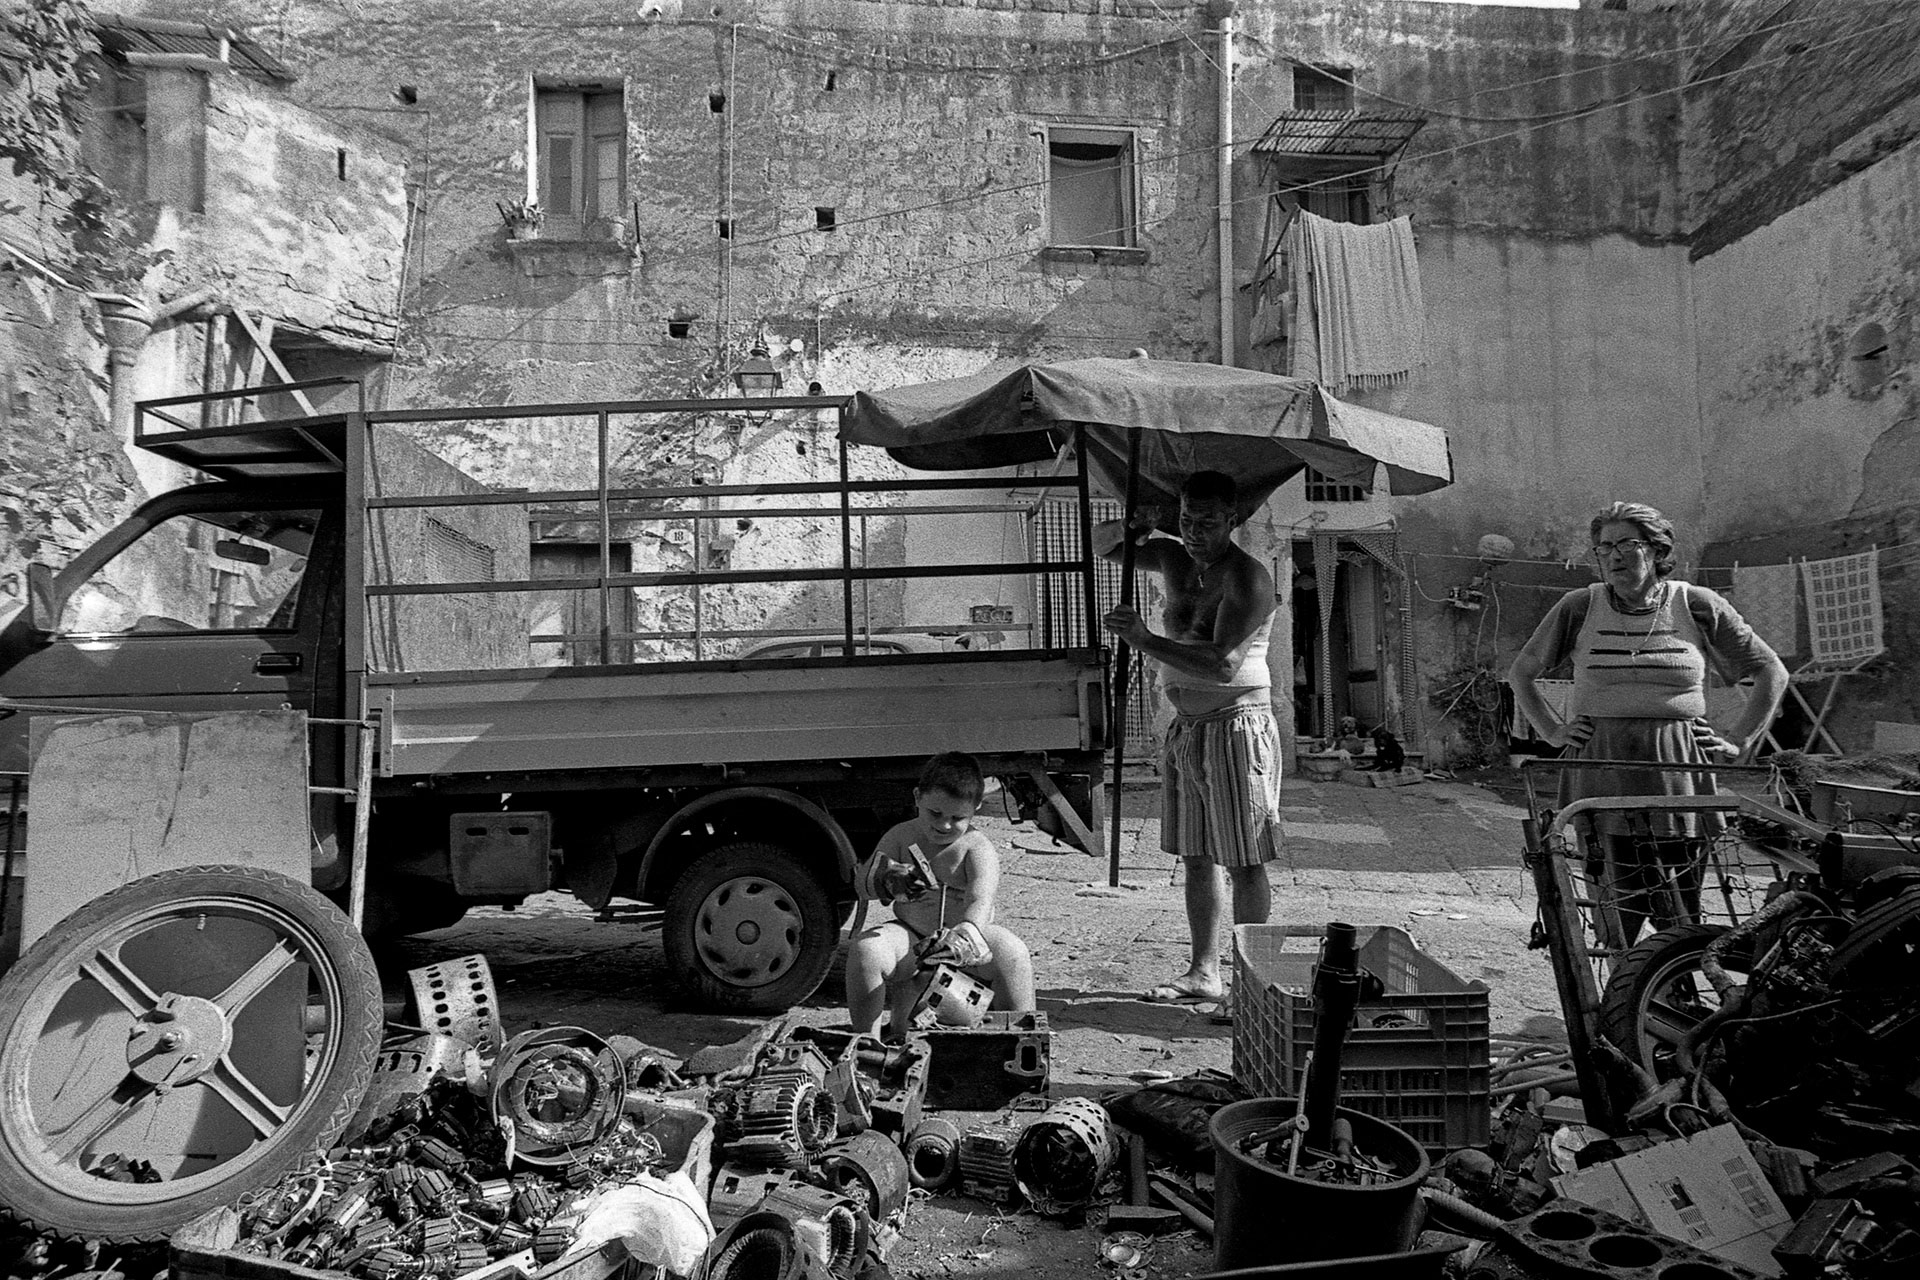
{"points": [[262, 335]]}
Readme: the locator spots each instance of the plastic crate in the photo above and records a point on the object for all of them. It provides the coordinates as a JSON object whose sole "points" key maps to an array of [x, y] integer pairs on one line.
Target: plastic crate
{"points": [[1417, 1057]]}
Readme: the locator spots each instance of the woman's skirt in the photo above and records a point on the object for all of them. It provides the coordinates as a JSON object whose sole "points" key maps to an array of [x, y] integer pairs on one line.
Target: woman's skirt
{"points": [[1654, 741]]}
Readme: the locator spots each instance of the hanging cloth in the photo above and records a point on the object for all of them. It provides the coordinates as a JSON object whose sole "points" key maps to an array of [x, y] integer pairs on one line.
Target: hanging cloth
{"points": [[1768, 597], [1843, 608], [1359, 319]]}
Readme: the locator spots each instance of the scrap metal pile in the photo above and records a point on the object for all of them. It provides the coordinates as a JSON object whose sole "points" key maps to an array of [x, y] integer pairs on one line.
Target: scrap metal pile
{"points": [[794, 1154]]}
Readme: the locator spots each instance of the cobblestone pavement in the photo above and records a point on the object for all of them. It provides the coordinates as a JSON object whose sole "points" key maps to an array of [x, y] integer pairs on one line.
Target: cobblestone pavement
{"points": [[1439, 859]]}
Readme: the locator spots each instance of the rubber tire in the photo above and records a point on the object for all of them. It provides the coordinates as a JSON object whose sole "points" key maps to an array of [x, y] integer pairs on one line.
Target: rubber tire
{"points": [[819, 932], [318, 1119], [1653, 960]]}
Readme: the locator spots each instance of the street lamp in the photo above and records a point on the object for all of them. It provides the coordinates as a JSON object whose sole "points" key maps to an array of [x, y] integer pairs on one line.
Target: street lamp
{"points": [[756, 376]]}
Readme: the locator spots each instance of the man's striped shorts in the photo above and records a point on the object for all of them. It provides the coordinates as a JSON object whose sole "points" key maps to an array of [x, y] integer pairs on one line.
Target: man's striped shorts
{"points": [[1220, 787]]}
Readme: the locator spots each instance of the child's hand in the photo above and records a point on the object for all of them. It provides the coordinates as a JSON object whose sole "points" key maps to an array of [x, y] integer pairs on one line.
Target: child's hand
{"points": [[962, 944], [904, 882]]}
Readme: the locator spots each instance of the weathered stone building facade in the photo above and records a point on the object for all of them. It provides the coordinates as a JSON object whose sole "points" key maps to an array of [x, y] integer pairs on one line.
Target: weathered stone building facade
{"points": [[1650, 244]]}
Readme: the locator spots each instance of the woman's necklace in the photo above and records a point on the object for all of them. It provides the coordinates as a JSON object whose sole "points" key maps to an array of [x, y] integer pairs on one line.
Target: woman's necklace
{"points": [[1653, 617]]}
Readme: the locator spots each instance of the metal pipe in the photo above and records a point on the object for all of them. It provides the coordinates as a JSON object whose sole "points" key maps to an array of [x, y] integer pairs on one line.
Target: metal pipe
{"points": [[1223, 178], [1336, 994], [606, 544], [1122, 655]]}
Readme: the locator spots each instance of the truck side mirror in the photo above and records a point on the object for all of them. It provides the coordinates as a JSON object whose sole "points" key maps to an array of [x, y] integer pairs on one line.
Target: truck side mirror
{"points": [[43, 607]]}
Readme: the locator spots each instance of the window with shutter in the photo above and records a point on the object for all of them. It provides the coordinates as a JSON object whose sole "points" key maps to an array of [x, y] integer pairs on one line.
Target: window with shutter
{"points": [[581, 140]]}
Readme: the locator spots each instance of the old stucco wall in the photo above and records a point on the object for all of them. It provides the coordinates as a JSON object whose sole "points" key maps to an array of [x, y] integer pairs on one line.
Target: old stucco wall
{"points": [[305, 218], [1790, 101], [1802, 459]]}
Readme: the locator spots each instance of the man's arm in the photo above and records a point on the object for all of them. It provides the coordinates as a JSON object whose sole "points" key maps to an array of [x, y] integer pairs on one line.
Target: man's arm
{"points": [[1246, 602], [1150, 549]]}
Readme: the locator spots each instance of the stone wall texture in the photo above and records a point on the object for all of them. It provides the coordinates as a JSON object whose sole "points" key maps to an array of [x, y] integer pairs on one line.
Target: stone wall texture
{"points": [[1648, 234]]}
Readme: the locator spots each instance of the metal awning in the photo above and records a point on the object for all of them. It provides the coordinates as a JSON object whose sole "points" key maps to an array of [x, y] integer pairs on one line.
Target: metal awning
{"points": [[1339, 133], [123, 35]]}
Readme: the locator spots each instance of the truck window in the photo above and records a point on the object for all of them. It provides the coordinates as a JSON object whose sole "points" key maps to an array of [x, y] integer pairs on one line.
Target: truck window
{"points": [[199, 571]]}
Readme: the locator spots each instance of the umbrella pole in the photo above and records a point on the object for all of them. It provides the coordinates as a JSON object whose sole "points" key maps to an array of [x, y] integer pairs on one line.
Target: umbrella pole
{"points": [[1122, 659]]}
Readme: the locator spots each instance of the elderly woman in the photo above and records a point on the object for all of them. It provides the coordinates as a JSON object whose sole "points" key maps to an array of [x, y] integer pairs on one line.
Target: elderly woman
{"points": [[1639, 641]]}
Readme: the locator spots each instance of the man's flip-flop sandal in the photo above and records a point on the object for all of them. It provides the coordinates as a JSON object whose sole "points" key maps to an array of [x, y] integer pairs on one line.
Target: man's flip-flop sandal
{"points": [[1181, 991]]}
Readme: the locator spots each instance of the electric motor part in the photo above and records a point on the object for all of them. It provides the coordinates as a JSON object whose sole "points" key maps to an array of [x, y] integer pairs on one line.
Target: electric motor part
{"points": [[739, 1188], [870, 1170], [552, 1241], [932, 1151], [433, 1192], [1064, 1155], [781, 1121], [456, 998], [533, 1203], [764, 1246], [986, 1161], [950, 997], [558, 1090], [836, 1225]]}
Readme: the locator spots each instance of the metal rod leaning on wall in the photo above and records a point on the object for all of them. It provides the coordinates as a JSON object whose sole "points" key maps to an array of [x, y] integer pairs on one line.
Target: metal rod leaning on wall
{"points": [[362, 815], [1122, 654], [606, 541]]}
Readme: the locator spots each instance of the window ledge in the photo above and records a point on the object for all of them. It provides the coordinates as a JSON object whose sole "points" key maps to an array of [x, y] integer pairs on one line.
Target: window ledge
{"points": [[1096, 253], [545, 256]]}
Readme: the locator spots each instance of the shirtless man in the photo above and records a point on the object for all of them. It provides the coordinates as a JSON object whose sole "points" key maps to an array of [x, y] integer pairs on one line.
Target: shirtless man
{"points": [[1220, 767]]}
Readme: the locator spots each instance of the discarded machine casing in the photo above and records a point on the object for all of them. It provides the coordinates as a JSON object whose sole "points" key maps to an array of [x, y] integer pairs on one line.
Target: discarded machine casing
{"points": [[781, 1120], [560, 1090], [738, 1189], [1568, 1238], [892, 1077], [870, 1170], [1064, 1155], [986, 1161], [932, 1151], [765, 1246], [985, 1067], [837, 1226], [950, 997]]}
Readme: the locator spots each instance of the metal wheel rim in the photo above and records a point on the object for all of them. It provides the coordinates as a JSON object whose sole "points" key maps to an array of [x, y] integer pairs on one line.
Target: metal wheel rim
{"points": [[1661, 1020], [100, 955], [733, 905]]}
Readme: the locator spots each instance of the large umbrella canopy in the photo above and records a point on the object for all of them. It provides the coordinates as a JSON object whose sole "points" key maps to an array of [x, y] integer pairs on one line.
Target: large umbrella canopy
{"points": [[1259, 428]]}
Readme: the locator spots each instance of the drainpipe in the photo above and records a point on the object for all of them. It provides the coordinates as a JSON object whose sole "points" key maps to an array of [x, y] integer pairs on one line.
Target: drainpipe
{"points": [[1223, 174], [128, 323]]}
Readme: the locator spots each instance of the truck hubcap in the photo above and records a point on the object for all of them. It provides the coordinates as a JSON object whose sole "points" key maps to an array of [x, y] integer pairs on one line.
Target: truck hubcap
{"points": [[748, 931]]}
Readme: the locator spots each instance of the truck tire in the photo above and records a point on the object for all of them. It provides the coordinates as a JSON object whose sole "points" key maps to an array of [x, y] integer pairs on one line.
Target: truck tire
{"points": [[144, 1079], [1657, 995], [750, 929]]}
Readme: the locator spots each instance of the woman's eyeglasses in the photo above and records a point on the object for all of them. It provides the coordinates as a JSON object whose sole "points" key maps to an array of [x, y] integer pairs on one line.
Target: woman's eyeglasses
{"points": [[1631, 546]]}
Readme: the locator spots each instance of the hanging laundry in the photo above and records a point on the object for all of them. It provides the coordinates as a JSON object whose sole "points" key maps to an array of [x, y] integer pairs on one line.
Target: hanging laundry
{"points": [[1768, 597], [1359, 320], [1843, 608]]}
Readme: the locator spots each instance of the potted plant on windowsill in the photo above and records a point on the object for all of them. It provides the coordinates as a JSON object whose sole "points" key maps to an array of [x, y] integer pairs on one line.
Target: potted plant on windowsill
{"points": [[524, 219]]}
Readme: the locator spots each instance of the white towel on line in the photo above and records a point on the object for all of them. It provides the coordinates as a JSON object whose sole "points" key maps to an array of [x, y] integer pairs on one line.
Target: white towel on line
{"points": [[1360, 320]]}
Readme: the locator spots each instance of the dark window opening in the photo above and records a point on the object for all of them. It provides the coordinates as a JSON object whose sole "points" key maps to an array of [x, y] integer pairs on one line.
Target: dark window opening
{"points": [[679, 328], [1322, 88], [1090, 187], [823, 218], [716, 102], [340, 163], [832, 79], [726, 228], [1321, 489]]}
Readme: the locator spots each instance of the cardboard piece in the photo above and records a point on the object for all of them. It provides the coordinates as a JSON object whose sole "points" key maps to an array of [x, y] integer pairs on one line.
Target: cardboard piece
{"points": [[117, 797], [1706, 1190]]}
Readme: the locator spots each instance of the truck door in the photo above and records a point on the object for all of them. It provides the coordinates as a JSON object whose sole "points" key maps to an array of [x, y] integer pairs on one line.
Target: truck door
{"points": [[189, 606]]}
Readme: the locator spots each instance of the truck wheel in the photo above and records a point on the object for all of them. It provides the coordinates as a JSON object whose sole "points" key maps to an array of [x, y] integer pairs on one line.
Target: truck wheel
{"points": [[1657, 995], [175, 1043], [749, 929]]}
